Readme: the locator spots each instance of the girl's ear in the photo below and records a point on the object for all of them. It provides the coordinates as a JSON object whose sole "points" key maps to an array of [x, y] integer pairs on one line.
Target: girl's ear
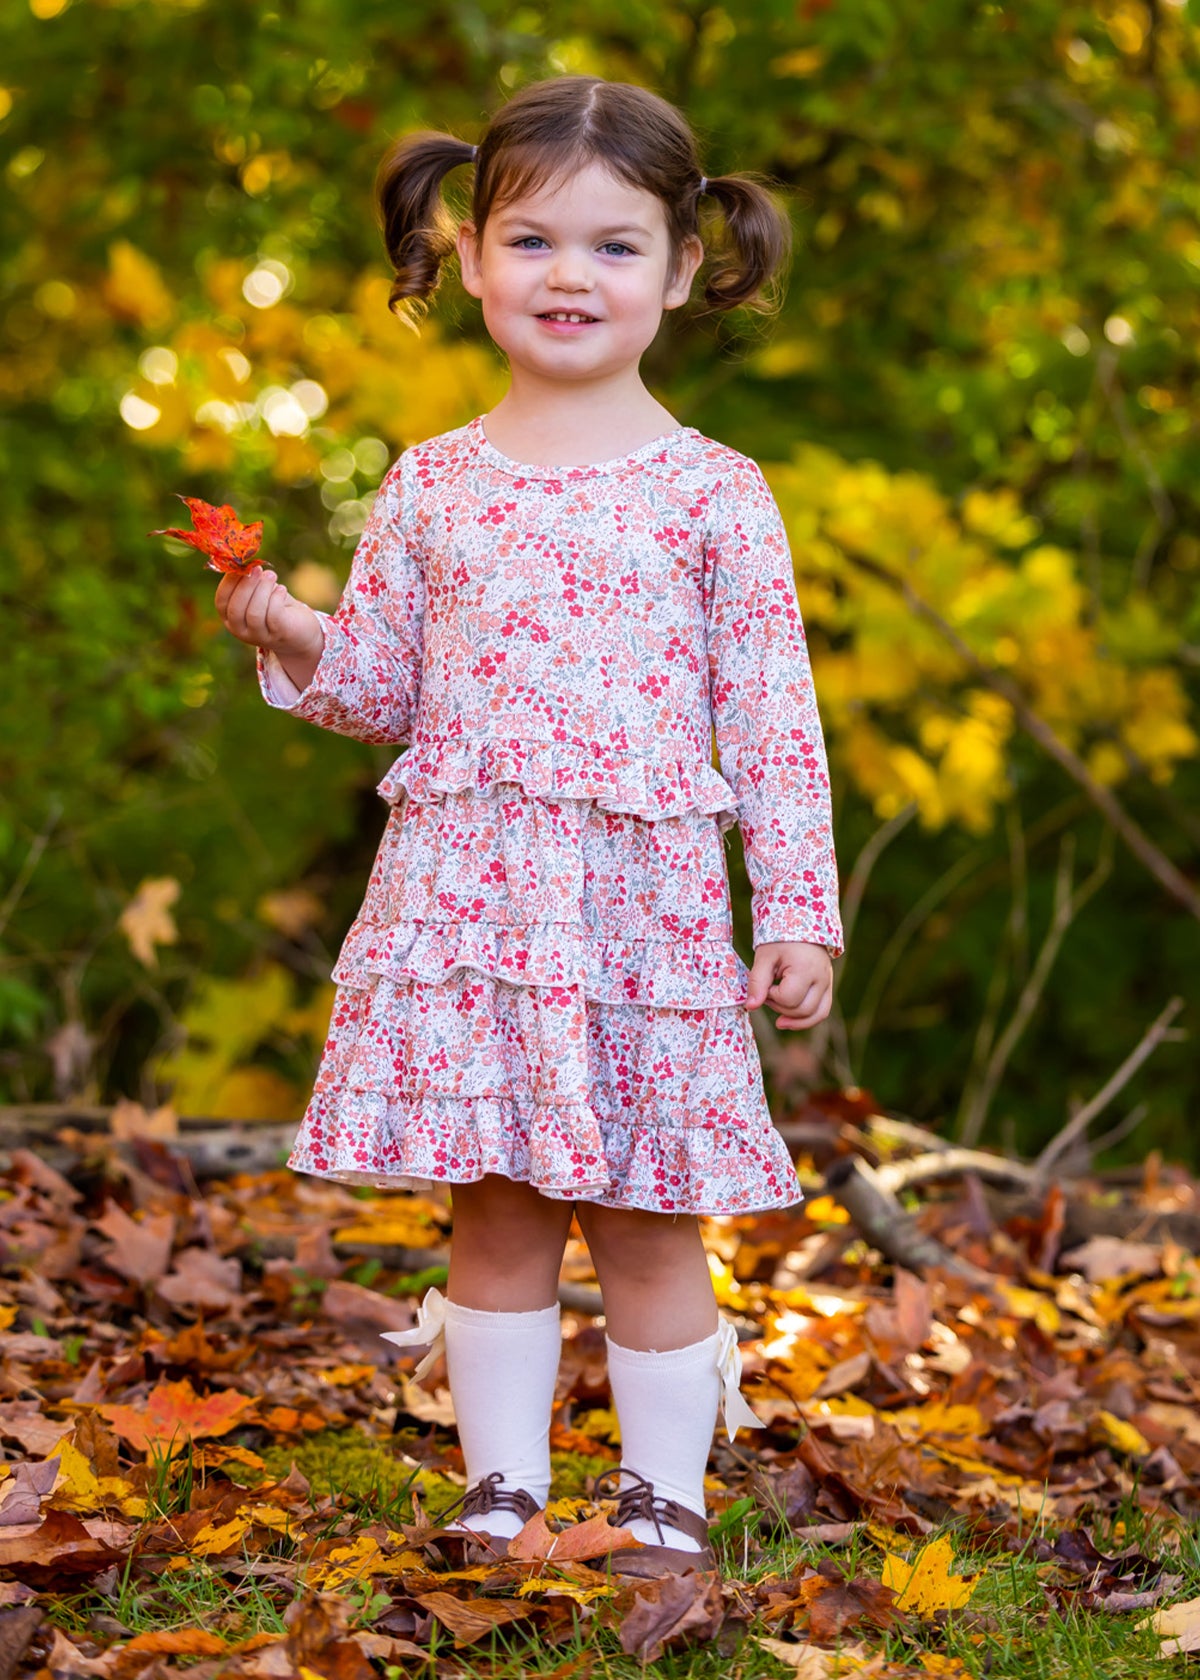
{"points": [[468, 259], [680, 286]]}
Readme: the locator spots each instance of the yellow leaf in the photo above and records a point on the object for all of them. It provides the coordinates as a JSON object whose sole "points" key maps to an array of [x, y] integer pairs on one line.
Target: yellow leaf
{"points": [[7, 1315], [345, 1376], [565, 1589], [80, 1489], [221, 1537], [823, 1210], [1121, 1435], [146, 920], [133, 288], [926, 1585], [1027, 1303], [937, 1418]]}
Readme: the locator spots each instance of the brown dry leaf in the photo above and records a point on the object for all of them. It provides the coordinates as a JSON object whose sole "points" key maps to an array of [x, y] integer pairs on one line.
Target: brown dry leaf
{"points": [[469, 1620], [146, 920], [591, 1539], [24, 1421], [141, 1248], [17, 1628], [203, 1280], [130, 1120], [835, 1603], [23, 1490], [67, 1659], [672, 1610], [60, 1546], [177, 1642]]}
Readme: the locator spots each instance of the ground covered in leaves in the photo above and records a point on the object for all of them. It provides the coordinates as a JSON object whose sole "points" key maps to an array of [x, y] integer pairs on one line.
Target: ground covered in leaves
{"points": [[213, 1465]]}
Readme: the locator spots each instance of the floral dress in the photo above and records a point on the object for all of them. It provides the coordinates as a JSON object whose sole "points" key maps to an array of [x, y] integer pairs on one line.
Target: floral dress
{"points": [[541, 981]]}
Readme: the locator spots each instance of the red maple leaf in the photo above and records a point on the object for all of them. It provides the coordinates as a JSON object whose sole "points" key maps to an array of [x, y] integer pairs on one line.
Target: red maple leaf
{"points": [[219, 533]]}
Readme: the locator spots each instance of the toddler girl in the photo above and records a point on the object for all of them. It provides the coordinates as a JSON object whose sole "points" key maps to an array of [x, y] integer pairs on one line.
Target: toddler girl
{"points": [[556, 606]]}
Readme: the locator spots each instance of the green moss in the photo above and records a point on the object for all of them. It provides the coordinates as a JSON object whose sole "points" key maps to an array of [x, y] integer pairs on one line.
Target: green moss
{"points": [[361, 1467], [570, 1473]]}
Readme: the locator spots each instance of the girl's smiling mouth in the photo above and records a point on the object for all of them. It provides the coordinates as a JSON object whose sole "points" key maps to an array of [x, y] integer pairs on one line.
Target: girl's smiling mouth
{"points": [[567, 318]]}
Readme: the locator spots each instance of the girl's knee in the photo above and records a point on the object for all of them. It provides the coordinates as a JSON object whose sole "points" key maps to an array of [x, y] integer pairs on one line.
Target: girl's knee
{"points": [[629, 1240]]}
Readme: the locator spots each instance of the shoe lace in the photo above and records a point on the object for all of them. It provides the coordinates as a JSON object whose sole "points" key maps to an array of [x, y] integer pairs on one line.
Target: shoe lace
{"points": [[635, 1499], [484, 1496]]}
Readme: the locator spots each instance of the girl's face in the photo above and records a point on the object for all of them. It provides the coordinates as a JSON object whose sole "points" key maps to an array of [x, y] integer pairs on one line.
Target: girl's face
{"points": [[573, 278]]}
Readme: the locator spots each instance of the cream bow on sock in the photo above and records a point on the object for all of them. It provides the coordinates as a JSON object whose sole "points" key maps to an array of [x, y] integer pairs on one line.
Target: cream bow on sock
{"points": [[430, 1328], [734, 1409]]}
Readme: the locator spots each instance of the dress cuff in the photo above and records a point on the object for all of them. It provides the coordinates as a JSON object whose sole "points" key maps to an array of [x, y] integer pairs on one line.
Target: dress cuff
{"points": [[277, 687], [784, 916]]}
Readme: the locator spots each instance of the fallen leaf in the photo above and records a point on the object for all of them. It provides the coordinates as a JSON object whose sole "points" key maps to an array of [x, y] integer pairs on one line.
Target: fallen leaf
{"points": [[24, 1421], [130, 1120], [671, 1610], [591, 1539], [17, 1628], [203, 1280], [219, 534], [146, 920], [1178, 1625], [927, 1585], [176, 1642], [141, 1248], [473, 1619], [59, 1546], [835, 1603], [807, 1662], [174, 1414], [565, 1589], [1120, 1435]]}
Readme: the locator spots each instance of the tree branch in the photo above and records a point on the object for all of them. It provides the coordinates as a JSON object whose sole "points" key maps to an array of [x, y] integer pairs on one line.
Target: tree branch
{"points": [[1114, 813]]}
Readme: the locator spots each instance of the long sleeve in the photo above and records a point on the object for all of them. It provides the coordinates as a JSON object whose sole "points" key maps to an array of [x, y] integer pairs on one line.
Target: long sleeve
{"points": [[368, 681], [768, 732]]}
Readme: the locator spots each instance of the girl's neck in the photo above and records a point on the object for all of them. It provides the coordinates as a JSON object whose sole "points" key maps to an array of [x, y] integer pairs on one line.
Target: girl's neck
{"points": [[573, 426]]}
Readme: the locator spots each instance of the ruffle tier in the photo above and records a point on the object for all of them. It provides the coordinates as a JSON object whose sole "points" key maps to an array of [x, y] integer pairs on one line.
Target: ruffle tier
{"points": [[667, 973], [622, 1105], [612, 777]]}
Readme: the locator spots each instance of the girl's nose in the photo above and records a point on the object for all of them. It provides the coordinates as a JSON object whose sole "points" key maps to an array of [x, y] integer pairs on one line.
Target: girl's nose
{"points": [[570, 273]]}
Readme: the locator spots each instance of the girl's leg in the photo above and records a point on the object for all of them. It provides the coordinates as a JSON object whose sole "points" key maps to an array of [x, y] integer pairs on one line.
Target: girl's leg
{"points": [[663, 1358], [503, 1342]]}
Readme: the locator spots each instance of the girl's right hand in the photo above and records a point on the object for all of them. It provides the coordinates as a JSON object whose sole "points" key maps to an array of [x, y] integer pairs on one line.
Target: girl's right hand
{"points": [[256, 608]]}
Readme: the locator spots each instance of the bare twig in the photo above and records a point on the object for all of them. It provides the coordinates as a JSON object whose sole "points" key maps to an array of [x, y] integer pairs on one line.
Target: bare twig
{"points": [[32, 858], [880, 1219], [1067, 905], [1079, 1123], [1136, 839], [950, 1163]]}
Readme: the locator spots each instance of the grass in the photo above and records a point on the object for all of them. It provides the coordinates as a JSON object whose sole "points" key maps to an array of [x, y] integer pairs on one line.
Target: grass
{"points": [[1009, 1631]]}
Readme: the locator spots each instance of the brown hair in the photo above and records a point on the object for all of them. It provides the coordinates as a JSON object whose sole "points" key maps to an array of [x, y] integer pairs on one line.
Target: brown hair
{"points": [[550, 129]]}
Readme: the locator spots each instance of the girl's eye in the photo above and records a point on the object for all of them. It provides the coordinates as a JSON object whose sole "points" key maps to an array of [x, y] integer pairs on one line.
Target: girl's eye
{"points": [[526, 238], [616, 245]]}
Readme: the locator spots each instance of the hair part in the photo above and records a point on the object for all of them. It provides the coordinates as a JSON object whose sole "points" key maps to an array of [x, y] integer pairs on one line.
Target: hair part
{"points": [[552, 129]]}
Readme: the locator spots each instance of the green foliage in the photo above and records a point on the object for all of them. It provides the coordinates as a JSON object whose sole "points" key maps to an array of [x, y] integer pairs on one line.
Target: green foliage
{"points": [[988, 350]]}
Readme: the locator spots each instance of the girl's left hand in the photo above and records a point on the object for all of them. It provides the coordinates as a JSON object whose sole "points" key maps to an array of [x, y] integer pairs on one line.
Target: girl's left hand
{"points": [[794, 978]]}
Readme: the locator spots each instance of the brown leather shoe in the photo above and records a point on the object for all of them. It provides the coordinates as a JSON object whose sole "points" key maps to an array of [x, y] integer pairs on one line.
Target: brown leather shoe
{"points": [[484, 1496], [638, 1499]]}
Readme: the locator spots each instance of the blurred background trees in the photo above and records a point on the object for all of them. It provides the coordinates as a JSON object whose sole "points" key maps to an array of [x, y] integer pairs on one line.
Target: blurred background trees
{"points": [[978, 410]]}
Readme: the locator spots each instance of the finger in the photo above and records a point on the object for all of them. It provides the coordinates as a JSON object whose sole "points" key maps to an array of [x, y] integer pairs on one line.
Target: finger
{"points": [[256, 607]]}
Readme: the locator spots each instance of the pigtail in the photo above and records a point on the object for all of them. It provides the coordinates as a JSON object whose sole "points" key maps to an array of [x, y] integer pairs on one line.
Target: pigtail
{"points": [[417, 227], [757, 246]]}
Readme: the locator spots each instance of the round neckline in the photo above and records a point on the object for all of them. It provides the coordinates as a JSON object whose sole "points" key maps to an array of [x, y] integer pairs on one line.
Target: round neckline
{"points": [[585, 469]]}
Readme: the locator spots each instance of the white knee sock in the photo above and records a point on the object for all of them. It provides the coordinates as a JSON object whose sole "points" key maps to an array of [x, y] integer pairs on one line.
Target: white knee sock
{"points": [[502, 1368], [667, 1408]]}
